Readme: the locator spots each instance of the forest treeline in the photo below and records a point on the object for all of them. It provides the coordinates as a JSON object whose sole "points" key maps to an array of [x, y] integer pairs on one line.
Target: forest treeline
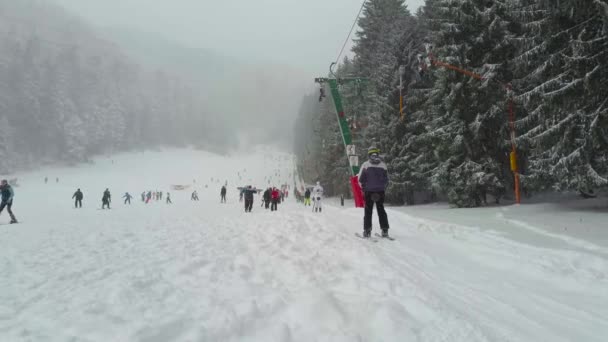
{"points": [[67, 95], [454, 140]]}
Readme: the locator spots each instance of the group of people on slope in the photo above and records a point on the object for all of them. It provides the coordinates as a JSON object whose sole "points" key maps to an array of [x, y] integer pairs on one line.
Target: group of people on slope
{"points": [[373, 178], [148, 196], [313, 196], [271, 197], [106, 198]]}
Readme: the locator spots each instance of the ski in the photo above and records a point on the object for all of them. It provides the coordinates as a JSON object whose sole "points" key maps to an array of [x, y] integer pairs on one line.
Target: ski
{"points": [[385, 237], [365, 238]]}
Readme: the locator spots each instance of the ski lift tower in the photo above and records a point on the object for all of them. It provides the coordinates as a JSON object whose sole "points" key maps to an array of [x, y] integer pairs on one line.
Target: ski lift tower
{"points": [[350, 148]]}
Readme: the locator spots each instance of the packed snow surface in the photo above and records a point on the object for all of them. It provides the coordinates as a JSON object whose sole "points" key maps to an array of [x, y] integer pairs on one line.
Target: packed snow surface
{"points": [[205, 271]]}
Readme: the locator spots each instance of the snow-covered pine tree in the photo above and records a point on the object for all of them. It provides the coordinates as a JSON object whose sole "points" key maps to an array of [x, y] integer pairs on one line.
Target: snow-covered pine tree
{"points": [[388, 38], [563, 79], [467, 117]]}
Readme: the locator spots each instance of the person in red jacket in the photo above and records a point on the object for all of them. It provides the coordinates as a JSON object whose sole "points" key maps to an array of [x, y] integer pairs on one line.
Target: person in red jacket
{"points": [[275, 196]]}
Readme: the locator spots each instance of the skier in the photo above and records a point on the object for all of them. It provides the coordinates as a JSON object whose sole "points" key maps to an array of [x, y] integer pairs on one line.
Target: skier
{"points": [[57, 180], [307, 197], [194, 196], [7, 199], [106, 199], [127, 198], [248, 193], [317, 193], [148, 197], [160, 194], [169, 198], [223, 194], [143, 196], [267, 197], [78, 196], [46, 180], [276, 197], [373, 178]]}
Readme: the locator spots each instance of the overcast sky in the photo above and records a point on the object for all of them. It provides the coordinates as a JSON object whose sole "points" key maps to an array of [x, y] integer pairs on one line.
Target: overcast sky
{"points": [[305, 34]]}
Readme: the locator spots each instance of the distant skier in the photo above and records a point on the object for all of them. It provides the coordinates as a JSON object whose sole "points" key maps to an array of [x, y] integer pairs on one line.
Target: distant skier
{"points": [[276, 197], [148, 197], [7, 195], [373, 178], [46, 180], [169, 198], [248, 193], [267, 197], [57, 180], [143, 196], [106, 199], [317, 193], [160, 196], [307, 197], [78, 196], [127, 198], [194, 196], [223, 194]]}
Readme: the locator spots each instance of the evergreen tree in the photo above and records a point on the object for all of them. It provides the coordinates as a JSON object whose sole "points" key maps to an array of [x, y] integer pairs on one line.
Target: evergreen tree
{"points": [[562, 90]]}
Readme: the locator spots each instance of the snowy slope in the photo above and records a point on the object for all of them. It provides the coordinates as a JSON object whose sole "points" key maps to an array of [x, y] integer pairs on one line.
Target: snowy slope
{"points": [[203, 271]]}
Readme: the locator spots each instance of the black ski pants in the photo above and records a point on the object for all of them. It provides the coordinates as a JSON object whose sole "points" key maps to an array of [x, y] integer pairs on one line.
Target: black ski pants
{"points": [[104, 204], [267, 203], [274, 205], [8, 206], [223, 198], [248, 204], [127, 200], [78, 203], [369, 210]]}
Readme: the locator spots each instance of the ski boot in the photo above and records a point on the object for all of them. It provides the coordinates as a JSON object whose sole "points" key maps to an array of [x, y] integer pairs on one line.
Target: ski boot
{"points": [[367, 233], [384, 233], [13, 221]]}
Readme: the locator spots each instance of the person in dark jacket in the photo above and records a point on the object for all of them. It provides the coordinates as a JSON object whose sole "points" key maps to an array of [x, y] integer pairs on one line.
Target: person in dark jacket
{"points": [[223, 194], [373, 178], [248, 193], [7, 194], [307, 197], [127, 198], [267, 197], [78, 196], [169, 198], [106, 199]]}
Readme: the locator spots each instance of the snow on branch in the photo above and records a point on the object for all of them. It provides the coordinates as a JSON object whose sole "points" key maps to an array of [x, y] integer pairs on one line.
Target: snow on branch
{"points": [[540, 89], [595, 177], [563, 89], [555, 128]]}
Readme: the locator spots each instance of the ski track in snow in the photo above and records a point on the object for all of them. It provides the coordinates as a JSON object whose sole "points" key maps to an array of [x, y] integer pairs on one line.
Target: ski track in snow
{"points": [[204, 271]]}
